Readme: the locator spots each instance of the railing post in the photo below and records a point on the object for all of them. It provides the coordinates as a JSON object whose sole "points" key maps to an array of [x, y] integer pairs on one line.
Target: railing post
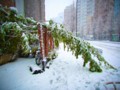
{"points": [[39, 36], [46, 41], [42, 43]]}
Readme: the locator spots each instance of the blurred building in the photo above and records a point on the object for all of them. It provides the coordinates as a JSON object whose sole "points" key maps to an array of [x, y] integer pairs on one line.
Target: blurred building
{"points": [[81, 15], [89, 19], [35, 9], [103, 19], [98, 19], [28, 8], [84, 10], [70, 18], [116, 21]]}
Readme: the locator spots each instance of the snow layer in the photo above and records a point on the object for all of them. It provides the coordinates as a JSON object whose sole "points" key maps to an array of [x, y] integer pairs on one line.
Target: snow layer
{"points": [[65, 73], [111, 51]]}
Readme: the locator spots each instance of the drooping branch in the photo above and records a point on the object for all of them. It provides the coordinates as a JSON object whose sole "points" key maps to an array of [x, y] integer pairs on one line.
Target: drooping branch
{"points": [[78, 47]]}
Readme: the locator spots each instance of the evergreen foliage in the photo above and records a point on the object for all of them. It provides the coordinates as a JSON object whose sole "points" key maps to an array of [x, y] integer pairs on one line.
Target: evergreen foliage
{"points": [[11, 39], [78, 47], [12, 27]]}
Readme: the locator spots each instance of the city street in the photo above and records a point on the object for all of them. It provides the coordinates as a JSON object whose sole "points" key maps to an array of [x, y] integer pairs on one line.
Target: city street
{"points": [[111, 51]]}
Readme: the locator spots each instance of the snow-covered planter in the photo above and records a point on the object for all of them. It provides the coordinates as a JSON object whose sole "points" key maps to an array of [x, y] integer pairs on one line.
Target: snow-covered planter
{"points": [[5, 58], [12, 26]]}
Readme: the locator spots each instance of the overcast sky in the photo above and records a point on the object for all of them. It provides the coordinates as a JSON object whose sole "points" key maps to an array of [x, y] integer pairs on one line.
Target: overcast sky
{"points": [[54, 7]]}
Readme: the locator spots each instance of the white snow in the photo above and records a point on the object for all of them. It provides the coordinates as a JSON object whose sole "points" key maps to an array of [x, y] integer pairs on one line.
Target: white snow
{"points": [[111, 51], [65, 73]]}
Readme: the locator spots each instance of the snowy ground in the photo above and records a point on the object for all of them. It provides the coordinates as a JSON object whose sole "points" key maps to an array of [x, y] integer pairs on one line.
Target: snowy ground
{"points": [[65, 73], [111, 51]]}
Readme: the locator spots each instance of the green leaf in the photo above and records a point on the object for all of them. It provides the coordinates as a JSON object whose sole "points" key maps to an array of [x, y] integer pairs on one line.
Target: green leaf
{"points": [[77, 46]]}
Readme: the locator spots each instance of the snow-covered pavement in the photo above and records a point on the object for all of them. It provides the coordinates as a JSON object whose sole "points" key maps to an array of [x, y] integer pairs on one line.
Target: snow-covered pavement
{"points": [[65, 73], [111, 51]]}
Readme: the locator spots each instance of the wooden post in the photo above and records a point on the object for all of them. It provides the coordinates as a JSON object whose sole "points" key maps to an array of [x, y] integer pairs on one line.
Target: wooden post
{"points": [[42, 41], [40, 35], [46, 41], [51, 42], [47, 44]]}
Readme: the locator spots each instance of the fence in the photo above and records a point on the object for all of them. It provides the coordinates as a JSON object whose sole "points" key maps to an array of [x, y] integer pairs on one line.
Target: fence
{"points": [[45, 39]]}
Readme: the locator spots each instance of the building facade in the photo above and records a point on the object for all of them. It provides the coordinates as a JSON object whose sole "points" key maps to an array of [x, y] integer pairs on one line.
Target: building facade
{"points": [[90, 14], [84, 12], [98, 19], [28, 8], [7, 3], [35, 9], [70, 18], [116, 21], [103, 19]]}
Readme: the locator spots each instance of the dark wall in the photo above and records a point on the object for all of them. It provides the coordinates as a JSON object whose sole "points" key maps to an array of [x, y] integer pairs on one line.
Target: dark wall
{"points": [[7, 3], [35, 9]]}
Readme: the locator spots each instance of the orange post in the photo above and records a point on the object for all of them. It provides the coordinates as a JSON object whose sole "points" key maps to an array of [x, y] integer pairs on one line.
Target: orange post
{"points": [[47, 40], [39, 35]]}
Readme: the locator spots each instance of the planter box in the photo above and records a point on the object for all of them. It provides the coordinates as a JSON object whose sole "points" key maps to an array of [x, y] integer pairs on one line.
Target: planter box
{"points": [[5, 58]]}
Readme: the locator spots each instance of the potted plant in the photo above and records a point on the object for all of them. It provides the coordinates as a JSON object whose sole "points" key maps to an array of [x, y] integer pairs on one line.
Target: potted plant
{"points": [[12, 27]]}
